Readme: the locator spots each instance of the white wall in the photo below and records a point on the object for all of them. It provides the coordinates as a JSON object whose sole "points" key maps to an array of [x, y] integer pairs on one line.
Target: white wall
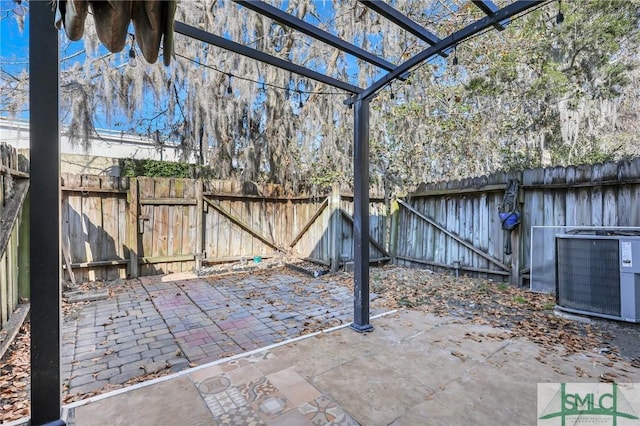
{"points": [[109, 145]]}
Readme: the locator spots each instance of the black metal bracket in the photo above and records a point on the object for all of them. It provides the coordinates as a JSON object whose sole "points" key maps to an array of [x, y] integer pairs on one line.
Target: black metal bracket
{"points": [[361, 328]]}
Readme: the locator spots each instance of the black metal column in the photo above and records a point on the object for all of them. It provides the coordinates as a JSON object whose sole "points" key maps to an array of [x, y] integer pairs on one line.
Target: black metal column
{"points": [[361, 216], [44, 215]]}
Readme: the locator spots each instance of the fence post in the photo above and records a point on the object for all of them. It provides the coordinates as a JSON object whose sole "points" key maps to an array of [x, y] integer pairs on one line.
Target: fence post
{"points": [[334, 227], [23, 252], [515, 257], [199, 224], [393, 234], [133, 234]]}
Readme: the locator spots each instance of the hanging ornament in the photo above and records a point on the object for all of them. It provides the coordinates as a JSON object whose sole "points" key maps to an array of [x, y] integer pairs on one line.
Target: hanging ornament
{"points": [[132, 53], [560, 15]]}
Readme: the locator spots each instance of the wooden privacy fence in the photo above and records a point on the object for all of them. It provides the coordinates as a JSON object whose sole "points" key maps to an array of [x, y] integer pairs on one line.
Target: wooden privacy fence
{"points": [[14, 232], [248, 222], [94, 226], [119, 227], [455, 225]]}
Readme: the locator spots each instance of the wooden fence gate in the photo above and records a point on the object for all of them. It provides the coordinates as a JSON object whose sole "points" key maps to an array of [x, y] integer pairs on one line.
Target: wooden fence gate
{"points": [[119, 227], [453, 243]]}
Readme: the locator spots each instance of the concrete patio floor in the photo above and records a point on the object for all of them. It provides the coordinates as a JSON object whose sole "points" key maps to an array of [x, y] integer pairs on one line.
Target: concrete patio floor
{"points": [[413, 369]]}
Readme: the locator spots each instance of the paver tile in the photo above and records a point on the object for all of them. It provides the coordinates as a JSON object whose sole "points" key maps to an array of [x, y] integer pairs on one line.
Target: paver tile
{"points": [[195, 320]]}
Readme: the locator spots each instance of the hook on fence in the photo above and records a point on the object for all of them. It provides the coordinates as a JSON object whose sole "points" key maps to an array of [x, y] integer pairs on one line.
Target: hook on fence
{"points": [[508, 212]]}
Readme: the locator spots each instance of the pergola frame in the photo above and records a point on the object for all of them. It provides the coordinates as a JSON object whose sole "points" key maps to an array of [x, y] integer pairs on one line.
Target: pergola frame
{"points": [[46, 318]]}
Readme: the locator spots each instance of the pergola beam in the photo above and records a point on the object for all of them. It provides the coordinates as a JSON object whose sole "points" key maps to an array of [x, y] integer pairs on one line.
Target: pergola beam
{"points": [[232, 46], [455, 38], [489, 8], [398, 18], [297, 24]]}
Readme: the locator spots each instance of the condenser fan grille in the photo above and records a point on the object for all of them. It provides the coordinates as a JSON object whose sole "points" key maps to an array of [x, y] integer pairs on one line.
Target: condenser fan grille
{"points": [[588, 275]]}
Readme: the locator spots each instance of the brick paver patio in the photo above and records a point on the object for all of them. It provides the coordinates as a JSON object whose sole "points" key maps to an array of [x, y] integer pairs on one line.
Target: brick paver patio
{"points": [[171, 322]]}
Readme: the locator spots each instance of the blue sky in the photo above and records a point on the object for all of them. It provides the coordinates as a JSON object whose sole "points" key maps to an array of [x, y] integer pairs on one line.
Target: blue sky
{"points": [[14, 45], [14, 49]]}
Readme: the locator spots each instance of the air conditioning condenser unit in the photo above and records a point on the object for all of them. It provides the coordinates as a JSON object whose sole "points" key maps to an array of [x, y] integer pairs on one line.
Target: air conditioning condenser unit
{"points": [[599, 275]]}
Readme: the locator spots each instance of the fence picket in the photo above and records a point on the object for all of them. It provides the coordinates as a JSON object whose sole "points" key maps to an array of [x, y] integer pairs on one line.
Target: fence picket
{"points": [[13, 196], [262, 221], [606, 194]]}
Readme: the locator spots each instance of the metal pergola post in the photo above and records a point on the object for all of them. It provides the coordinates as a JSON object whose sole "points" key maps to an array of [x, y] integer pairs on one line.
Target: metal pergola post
{"points": [[361, 217], [44, 218]]}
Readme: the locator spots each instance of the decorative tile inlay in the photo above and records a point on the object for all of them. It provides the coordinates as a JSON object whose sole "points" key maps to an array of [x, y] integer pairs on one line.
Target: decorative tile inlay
{"points": [[241, 416], [234, 364], [343, 420], [259, 357], [214, 385], [321, 411], [257, 389], [225, 401], [272, 406]]}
